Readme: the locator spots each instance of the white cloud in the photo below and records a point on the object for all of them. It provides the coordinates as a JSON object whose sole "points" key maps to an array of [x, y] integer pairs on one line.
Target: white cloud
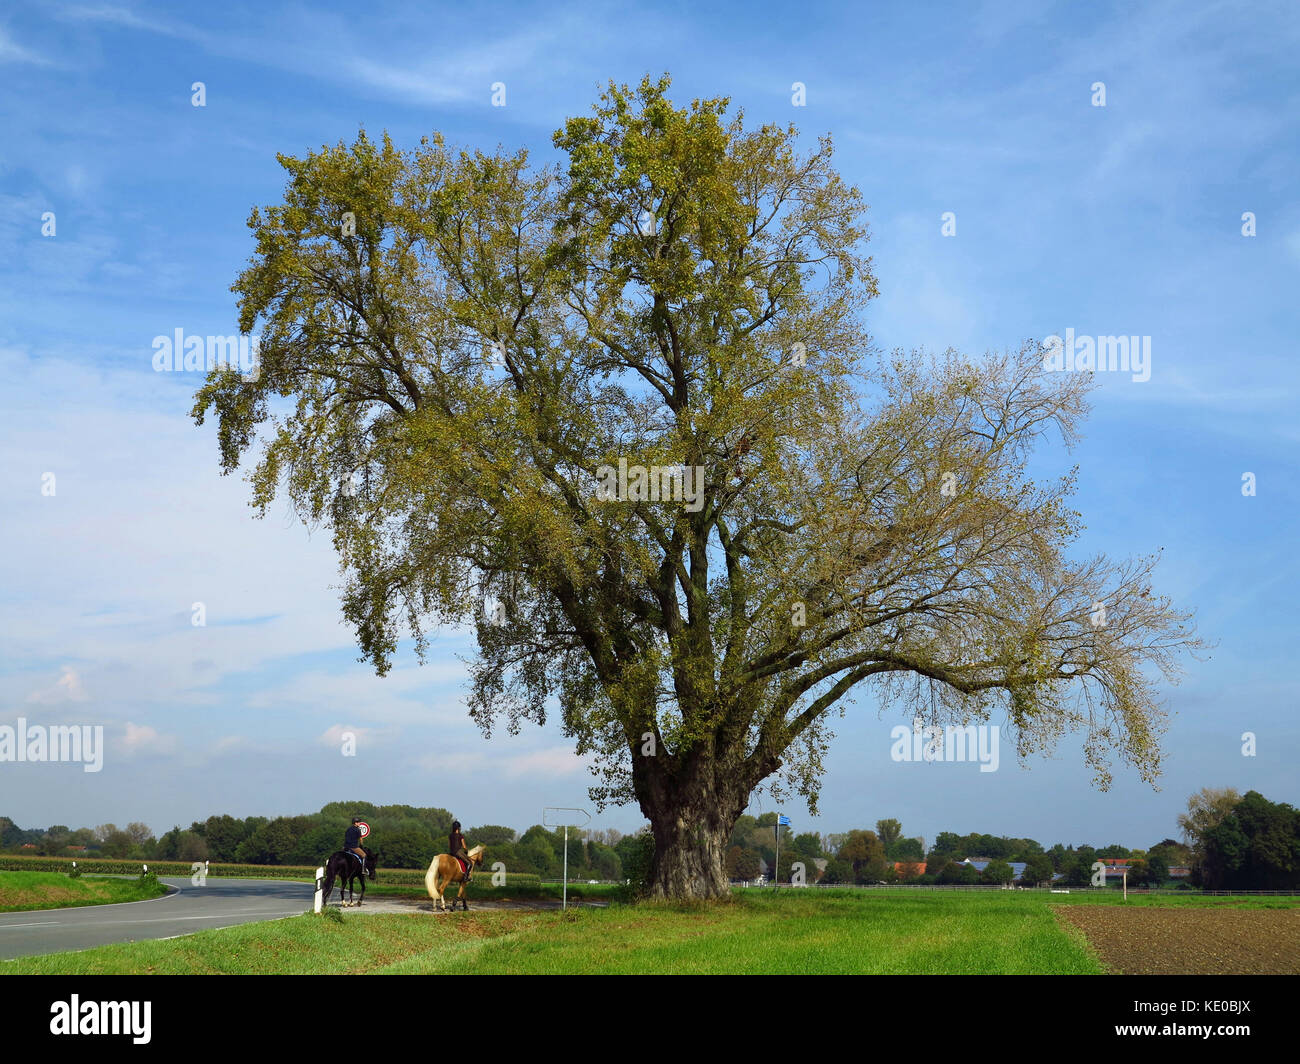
{"points": [[66, 689], [142, 739], [551, 763]]}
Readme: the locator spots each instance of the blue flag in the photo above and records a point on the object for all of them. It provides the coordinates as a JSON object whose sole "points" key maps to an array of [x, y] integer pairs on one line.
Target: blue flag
{"points": [[783, 820]]}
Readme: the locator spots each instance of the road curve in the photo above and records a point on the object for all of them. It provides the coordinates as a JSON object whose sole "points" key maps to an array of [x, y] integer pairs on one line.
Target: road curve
{"points": [[218, 903]]}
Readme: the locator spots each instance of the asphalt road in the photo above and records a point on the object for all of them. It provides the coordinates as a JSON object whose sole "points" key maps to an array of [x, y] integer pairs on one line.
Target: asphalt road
{"points": [[218, 903]]}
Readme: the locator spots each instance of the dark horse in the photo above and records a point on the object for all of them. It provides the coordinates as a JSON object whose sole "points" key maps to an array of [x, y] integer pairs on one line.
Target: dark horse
{"points": [[347, 869]]}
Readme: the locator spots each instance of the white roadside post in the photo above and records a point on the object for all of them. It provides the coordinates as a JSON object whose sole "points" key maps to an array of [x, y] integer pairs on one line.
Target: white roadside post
{"points": [[548, 820], [320, 875]]}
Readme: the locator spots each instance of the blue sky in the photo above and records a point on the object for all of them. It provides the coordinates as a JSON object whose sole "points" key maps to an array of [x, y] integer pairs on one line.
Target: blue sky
{"points": [[1122, 219]]}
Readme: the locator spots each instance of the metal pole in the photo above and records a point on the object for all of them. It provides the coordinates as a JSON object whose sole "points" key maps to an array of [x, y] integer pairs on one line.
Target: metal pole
{"points": [[776, 872], [566, 868]]}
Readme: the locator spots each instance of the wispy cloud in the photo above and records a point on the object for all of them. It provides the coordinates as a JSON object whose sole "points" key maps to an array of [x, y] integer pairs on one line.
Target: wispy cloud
{"points": [[143, 739], [12, 52], [125, 18], [66, 689]]}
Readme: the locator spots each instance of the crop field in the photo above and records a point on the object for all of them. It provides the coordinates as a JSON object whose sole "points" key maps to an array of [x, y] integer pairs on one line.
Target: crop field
{"points": [[1201, 941], [791, 931]]}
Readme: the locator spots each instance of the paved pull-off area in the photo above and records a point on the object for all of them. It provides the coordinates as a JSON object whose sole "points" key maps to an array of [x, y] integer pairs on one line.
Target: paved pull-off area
{"points": [[218, 903]]}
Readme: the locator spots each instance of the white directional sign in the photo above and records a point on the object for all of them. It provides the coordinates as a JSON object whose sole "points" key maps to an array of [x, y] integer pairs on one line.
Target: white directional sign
{"points": [[553, 816]]}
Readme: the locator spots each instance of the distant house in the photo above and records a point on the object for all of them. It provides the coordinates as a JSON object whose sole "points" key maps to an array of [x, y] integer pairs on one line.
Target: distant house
{"points": [[981, 863], [1115, 866], [28, 846], [906, 869]]}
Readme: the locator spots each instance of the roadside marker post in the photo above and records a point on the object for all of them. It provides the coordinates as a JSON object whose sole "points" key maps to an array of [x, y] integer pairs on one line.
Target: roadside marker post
{"points": [[316, 904], [549, 821]]}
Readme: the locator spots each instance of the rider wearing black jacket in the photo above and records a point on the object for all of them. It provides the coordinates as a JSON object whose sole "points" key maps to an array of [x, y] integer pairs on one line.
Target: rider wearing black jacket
{"points": [[352, 841]]}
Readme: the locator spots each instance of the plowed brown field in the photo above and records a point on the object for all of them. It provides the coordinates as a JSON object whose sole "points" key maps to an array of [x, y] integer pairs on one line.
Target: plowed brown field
{"points": [[1154, 941]]}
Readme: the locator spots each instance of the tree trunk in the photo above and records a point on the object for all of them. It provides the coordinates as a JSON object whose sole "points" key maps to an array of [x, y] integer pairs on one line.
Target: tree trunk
{"points": [[691, 816]]}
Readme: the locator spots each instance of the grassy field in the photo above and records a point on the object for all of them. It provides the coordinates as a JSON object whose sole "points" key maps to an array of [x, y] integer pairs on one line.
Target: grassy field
{"points": [[888, 932], [20, 891]]}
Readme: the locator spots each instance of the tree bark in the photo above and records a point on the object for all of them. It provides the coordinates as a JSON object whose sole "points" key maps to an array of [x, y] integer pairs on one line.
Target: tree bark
{"points": [[692, 812]]}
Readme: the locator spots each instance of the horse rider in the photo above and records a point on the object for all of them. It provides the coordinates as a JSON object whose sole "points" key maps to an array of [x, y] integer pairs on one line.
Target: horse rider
{"points": [[352, 842], [457, 848]]}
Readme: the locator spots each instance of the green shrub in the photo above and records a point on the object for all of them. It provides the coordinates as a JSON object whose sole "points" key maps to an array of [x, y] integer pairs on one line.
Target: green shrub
{"points": [[638, 859]]}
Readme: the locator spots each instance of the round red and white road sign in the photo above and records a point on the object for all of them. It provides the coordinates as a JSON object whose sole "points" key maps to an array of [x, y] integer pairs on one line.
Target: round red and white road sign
{"points": [[365, 829]]}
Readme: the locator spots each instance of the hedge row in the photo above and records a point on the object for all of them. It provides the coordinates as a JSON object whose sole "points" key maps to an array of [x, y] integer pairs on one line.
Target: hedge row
{"points": [[307, 873]]}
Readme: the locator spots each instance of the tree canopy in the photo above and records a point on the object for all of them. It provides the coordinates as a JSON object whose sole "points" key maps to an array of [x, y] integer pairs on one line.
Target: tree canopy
{"points": [[622, 415]]}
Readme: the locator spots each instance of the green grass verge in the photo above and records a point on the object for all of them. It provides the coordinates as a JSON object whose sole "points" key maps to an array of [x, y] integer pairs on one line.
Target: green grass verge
{"points": [[791, 931], [23, 891]]}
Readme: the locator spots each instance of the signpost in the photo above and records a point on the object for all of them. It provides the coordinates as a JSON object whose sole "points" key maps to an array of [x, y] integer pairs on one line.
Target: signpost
{"points": [[365, 828], [549, 820]]}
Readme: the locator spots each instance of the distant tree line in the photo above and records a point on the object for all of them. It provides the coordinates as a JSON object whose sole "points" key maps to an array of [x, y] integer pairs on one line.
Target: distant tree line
{"points": [[1230, 842], [402, 836]]}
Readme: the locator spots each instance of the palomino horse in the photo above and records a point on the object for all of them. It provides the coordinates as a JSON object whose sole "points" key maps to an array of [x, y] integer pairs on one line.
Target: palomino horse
{"points": [[444, 871]]}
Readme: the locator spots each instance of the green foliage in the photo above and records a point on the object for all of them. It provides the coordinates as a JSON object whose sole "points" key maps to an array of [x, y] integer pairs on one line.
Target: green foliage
{"points": [[491, 835], [997, 872], [1038, 870], [837, 871], [458, 347], [637, 855], [808, 845], [1157, 870], [905, 850], [406, 849], [1256, 846], [1076, 872], [861, 847], [117, 844], [742, 864], [958, 874]]}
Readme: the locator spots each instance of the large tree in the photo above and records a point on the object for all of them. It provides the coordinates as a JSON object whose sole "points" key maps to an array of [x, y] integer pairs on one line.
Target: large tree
{"points": [[459, 349]]}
